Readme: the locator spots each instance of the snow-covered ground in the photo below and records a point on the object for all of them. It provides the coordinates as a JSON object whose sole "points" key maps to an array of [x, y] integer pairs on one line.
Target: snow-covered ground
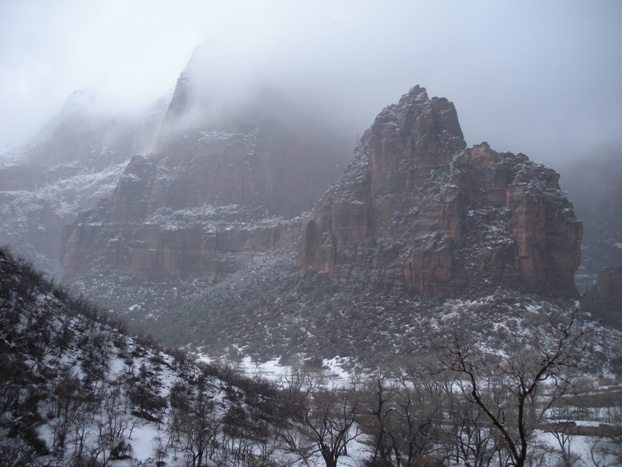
{"points": [[589, 451], [331, 374]]}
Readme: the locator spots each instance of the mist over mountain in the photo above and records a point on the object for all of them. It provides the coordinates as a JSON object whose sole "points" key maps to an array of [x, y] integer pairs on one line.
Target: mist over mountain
{"points": [[332, 56], [414, 219], [90, 133], [266, 184], [216, 177], [595, 185], [72, 162]]}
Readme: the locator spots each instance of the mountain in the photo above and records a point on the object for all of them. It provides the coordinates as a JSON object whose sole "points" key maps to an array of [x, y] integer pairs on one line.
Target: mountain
{"points": [[417, 210], [225, 178], [73, 162], [413, 208], [418, 232], [225, 209], [253, 146], [86, 131]]}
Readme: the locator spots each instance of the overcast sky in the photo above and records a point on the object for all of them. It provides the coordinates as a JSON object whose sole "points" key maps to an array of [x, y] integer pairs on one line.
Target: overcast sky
{"points": [[539, 77]]}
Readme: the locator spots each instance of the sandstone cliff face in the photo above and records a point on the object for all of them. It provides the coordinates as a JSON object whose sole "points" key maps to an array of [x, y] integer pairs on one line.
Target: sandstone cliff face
{"points": [[221, 185], [155, 252], [415, 210], [68, 167], [132, 234], [267, 166], [251, 146]]}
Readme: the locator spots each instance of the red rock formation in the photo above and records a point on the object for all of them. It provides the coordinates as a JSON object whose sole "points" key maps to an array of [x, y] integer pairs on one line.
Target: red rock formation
{"points": [[416, 211], [246, 174], [208, 198], [413, 210], [252, 147], [172, 244], [130, 233]]}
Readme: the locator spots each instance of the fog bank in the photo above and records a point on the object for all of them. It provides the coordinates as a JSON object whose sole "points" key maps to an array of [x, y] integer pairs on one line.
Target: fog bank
{"points": [[536, 77]]}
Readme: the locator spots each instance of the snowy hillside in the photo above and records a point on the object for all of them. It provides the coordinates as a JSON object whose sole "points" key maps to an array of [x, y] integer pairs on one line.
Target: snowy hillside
{"points": [[267, 312], [75, 390]]}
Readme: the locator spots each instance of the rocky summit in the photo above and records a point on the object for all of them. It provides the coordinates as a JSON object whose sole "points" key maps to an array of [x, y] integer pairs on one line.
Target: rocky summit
{"points": [[418, 226], [417, 211], [414, 210]]}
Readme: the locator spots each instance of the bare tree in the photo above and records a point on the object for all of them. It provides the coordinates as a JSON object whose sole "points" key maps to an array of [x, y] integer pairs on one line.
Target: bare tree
{"points": [[606, 448], [474, 442], [329, 422], [415, 423], [296, 443], [515, 392], [71, 404], [379, 408], [193, 421], [405, 417]]}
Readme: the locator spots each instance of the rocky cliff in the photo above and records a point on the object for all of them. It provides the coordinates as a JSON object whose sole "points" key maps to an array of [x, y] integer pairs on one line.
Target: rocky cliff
{"points": [[415, 210], [247, 144], [417, 229], [130, 234], [222, 184], [71, 164]]}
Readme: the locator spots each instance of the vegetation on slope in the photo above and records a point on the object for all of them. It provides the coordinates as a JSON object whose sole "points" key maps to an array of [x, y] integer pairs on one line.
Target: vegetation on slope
{"points": [[76, 390]]}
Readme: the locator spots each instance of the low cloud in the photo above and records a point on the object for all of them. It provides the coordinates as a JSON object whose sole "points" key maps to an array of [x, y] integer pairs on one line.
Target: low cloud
{"points": [[539, 78]]}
